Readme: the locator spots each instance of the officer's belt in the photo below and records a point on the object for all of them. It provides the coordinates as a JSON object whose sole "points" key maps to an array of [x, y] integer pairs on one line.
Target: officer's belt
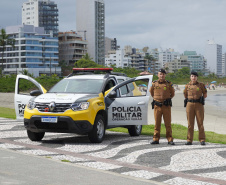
{"points": [[193, 101], [158, 103]]}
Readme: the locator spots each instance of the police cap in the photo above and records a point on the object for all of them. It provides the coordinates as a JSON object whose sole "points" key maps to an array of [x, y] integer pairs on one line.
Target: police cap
{"points": [[162, 71], [194, 73]]}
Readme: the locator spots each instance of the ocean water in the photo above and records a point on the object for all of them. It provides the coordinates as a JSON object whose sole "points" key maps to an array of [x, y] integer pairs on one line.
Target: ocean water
{"points": [[218, 100]]}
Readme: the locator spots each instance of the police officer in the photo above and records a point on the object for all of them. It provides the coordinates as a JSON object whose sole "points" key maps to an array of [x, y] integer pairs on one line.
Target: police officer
{"points": [[162, 91], [195, 93]]}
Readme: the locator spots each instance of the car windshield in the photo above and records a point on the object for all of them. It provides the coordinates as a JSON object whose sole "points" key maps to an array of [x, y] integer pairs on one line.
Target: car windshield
{"points": [[83, 86]]}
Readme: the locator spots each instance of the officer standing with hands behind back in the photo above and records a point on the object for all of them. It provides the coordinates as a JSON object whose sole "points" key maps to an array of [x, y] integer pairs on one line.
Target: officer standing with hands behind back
{"points": [[195, 94], [162, 91]]}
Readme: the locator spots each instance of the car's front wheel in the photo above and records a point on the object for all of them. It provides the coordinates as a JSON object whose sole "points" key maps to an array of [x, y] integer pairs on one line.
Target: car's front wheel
{"points": [[35, 136], [135, 130], [98, 132]]}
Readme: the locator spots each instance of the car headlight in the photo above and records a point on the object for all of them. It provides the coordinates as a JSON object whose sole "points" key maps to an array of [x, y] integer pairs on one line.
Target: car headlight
{"points": [[31, 104], [80, 106]]}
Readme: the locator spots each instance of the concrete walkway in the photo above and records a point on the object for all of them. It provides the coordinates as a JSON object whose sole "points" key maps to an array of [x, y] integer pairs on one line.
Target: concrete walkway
{"points": [[17, 168]]}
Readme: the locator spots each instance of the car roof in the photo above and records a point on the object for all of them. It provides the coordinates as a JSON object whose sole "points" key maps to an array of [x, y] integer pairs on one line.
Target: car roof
{"points": [[99, 76]]}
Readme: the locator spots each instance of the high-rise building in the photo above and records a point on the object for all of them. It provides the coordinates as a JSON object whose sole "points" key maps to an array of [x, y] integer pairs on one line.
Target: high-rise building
{"points": [[223, 64], [34, 51], [71, 47], [213, 54], [90, 20], [110, 45], [41, 13]]}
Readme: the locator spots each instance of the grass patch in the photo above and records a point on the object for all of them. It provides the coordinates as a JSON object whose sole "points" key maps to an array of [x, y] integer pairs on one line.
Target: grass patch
{"points": [[179, 132], [7, 113], [66, 161]]}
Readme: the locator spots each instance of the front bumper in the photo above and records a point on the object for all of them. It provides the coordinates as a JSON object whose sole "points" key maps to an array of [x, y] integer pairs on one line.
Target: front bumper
{"points": [[64, 125]]}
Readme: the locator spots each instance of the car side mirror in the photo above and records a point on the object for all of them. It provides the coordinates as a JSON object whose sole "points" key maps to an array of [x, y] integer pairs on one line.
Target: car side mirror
{"points": [[35, 93], [112, 94]]}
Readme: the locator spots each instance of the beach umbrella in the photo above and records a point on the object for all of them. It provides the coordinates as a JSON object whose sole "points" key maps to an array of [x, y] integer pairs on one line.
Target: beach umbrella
{"points": [[143, 85], [145, 73], [213, 82]]}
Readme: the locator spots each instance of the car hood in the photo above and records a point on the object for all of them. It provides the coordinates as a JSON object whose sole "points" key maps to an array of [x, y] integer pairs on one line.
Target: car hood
{"points": [[63, 98]]}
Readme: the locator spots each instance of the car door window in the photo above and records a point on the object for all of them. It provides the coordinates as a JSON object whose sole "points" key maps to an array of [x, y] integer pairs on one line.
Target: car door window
{"points": [[136, 88], [109, 85], [124, 90], [140, 87], [25, 87]]}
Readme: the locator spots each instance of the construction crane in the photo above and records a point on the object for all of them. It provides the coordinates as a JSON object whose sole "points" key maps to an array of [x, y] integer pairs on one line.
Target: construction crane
{"points": [[84, 33]]}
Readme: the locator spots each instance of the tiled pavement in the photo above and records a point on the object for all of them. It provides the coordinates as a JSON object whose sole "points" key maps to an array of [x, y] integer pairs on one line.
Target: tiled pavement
{"points": [[120, 153]]}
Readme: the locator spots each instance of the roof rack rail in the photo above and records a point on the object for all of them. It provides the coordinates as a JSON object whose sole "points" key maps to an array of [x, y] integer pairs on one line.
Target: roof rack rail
{"points": [[76, 70], [118, 74], [85, 71], [90, 71]]}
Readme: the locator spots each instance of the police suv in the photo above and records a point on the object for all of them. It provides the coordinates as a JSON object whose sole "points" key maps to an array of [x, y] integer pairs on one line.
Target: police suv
{"points": [[84, 103]]}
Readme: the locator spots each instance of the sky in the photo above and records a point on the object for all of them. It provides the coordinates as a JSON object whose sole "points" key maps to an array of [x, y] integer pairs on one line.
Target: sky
{"points": [[184, 25]]}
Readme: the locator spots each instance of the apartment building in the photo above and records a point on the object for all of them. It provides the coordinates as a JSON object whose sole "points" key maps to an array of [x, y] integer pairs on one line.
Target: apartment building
{"points": [[197, 62], [41, 13], [177, 64], [154, 65], [118, 58], [110, 45], [167, 55], [223, 64], [72, 47], [213, 55], [34, 51], [90, 19]]}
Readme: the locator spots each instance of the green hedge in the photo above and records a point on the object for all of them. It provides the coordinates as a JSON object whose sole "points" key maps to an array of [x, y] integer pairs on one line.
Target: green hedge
{"points": [[7, 83]]}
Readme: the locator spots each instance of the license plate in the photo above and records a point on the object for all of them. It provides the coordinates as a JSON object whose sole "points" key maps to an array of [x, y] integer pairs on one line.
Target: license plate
{"points": [[49, 119]]}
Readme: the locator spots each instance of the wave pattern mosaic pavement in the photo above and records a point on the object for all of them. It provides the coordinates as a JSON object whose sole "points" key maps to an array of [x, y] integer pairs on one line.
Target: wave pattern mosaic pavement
{"points": [[120, 153]]}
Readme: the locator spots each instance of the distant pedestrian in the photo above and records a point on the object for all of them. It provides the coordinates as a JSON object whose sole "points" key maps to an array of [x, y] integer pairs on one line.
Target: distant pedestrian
{"points": [[195, 94], [162, 92]]}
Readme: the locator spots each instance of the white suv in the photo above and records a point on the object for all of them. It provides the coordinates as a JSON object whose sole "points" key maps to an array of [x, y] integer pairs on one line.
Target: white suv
{"points": [[85, 103]]}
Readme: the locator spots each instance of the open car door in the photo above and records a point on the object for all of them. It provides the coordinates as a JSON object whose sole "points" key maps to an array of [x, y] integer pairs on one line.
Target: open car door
{"points": [[127, 103], [24, 85]]}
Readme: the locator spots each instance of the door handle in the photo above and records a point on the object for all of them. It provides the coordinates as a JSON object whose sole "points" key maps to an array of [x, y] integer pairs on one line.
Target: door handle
{"points": [[18, 101], [141, 103]]}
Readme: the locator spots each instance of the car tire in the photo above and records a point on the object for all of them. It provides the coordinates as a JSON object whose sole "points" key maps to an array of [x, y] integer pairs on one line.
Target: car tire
{"points": [[98, 132], [35, 136], [135, 130]]}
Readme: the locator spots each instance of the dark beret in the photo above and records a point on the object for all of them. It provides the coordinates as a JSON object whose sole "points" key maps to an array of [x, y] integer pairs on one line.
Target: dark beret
{"points": [[194, 73], [162, 71]]}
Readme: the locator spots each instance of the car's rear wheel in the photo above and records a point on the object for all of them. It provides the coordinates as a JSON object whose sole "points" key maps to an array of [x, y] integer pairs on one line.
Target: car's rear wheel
{"points": [[135, 130], [98, 132], [35, 136]]}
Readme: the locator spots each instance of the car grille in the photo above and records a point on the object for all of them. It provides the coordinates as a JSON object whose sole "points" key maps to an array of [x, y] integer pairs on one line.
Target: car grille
{"points": [[60, 107], [57, 126]]}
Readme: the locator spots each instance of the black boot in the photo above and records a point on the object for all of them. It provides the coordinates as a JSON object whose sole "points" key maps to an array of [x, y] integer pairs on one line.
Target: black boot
{"points": [[188, 143], [171, 143], [154, 142], [203, 143]]}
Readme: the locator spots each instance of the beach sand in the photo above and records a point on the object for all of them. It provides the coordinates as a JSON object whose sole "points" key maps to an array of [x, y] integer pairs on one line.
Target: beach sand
{"points": [[214, 120]]}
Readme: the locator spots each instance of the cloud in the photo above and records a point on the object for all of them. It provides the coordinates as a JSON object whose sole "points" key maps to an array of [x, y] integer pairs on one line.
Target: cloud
{"points": [[179, 24]]}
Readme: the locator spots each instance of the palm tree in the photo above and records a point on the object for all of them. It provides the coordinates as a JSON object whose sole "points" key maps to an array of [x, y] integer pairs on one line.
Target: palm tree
{"points": [[151, 60], [4, 41]]}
